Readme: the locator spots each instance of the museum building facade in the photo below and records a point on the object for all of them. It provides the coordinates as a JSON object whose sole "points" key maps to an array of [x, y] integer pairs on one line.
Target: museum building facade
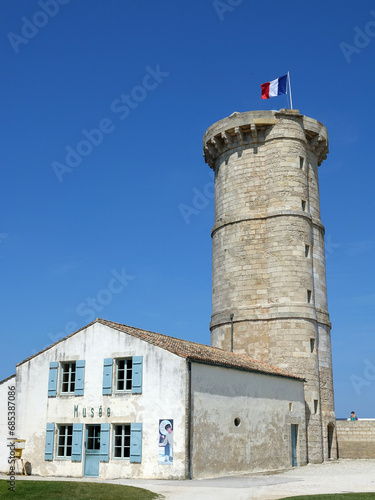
{"points": [[114, 401]]}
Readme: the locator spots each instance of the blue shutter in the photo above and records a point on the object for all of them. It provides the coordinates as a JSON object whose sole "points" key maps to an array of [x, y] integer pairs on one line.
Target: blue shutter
{"points": [[107, 376], [50, 435], [52, 381], [104, 442], [137, 374], [80, 378], [77, 442], [136, 443]]}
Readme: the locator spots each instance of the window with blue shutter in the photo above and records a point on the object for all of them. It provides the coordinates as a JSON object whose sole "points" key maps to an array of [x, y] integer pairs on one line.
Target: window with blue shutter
{"points": [[68, 377], [50, 436], [80, 378], [137, 374], [104, 442], [64, 441], [52, 381], [107, 376], [136, 443], [77, 442]]}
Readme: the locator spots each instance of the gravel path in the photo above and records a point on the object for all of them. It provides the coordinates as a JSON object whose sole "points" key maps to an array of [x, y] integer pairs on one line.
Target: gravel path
{"points": [[342, 476]]}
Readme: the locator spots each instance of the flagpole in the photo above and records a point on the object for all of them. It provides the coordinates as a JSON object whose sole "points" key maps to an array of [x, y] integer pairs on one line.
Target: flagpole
{"points": [[290, 92]]}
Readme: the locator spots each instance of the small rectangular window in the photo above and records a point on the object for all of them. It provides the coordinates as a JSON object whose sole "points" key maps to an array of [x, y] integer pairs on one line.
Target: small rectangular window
{"points": [[303, 205], [124, 373], [315, 406], [312, 345], [68, 377], [121, 441], [290, 406], [308, 296], [301, 162], [64, 441], [307, 251]]}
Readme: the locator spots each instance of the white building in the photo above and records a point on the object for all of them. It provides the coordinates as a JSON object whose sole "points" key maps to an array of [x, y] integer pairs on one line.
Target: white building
{"points": [[114, 401]]}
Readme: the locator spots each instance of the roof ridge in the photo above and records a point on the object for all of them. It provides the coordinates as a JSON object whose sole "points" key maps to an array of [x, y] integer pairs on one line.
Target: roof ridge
{"points": [[104, 321], [100, 320], [187, 349], [8, 378], [175, 350]]}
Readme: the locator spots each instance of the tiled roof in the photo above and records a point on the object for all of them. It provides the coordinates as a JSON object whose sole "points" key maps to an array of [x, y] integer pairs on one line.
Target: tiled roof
{"points": [[200, 352], [6, 379], [189, 350]]}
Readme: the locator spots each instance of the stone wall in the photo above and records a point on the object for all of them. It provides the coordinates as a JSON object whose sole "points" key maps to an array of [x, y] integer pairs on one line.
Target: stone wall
{"points": [[356, 439], [268, 254]]}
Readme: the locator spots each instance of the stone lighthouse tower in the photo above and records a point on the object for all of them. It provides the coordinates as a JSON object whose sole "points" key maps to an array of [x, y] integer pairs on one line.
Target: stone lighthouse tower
{"points": [[269, 276]]}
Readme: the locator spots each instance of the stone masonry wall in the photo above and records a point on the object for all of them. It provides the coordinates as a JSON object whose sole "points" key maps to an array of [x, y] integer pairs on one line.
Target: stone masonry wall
{"points": [[268, 254], [356, 439]]}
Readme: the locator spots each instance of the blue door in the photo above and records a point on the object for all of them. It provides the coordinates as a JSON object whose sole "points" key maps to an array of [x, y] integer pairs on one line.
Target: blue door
{"points": [[92, 450], [294, 430]]}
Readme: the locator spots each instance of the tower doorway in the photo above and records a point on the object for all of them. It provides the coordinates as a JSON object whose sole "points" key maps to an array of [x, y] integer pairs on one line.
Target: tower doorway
{"points": [[294, 434], [330, 430]]}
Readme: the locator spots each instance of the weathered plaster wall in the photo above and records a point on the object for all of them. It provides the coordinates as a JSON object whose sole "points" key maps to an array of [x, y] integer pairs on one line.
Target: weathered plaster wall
{"points": [[262, 441], [356, 439], [163, 397], [4, 451]]}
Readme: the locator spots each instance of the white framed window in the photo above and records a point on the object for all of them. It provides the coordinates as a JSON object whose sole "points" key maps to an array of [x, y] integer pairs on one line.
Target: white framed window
{"points": [[121, 441], [64, 441], [124, 374], [68, 377]]}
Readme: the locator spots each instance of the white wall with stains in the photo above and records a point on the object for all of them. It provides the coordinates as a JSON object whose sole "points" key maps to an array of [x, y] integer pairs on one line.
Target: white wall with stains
{"points": [[163, 397], [265, 405]]}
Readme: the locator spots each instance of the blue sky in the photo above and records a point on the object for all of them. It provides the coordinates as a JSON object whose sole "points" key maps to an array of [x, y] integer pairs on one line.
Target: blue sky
{"points": [[104, 236]]}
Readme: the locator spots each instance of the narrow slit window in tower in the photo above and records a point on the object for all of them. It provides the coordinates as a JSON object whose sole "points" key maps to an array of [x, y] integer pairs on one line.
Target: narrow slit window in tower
{"points": [[303, 205], [312, 345], [315, 406], [301, 162], [308, 296], [307, 250]]}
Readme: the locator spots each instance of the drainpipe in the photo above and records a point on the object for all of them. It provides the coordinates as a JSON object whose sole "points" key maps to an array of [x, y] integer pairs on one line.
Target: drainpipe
{"points": [[189, 423], [231, 332]]}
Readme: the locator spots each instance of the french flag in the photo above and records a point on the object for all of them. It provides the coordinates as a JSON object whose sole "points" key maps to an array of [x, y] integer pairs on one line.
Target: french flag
{"points": [[274, 88]]}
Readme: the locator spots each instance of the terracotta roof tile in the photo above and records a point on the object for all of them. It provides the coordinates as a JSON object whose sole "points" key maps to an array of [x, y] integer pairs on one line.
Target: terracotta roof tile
{"points": [[6, 379], [200, 352], [189, 350]]}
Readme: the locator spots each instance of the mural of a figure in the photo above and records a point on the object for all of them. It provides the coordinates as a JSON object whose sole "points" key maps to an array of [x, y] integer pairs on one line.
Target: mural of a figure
{"points": [[166, 441]]}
